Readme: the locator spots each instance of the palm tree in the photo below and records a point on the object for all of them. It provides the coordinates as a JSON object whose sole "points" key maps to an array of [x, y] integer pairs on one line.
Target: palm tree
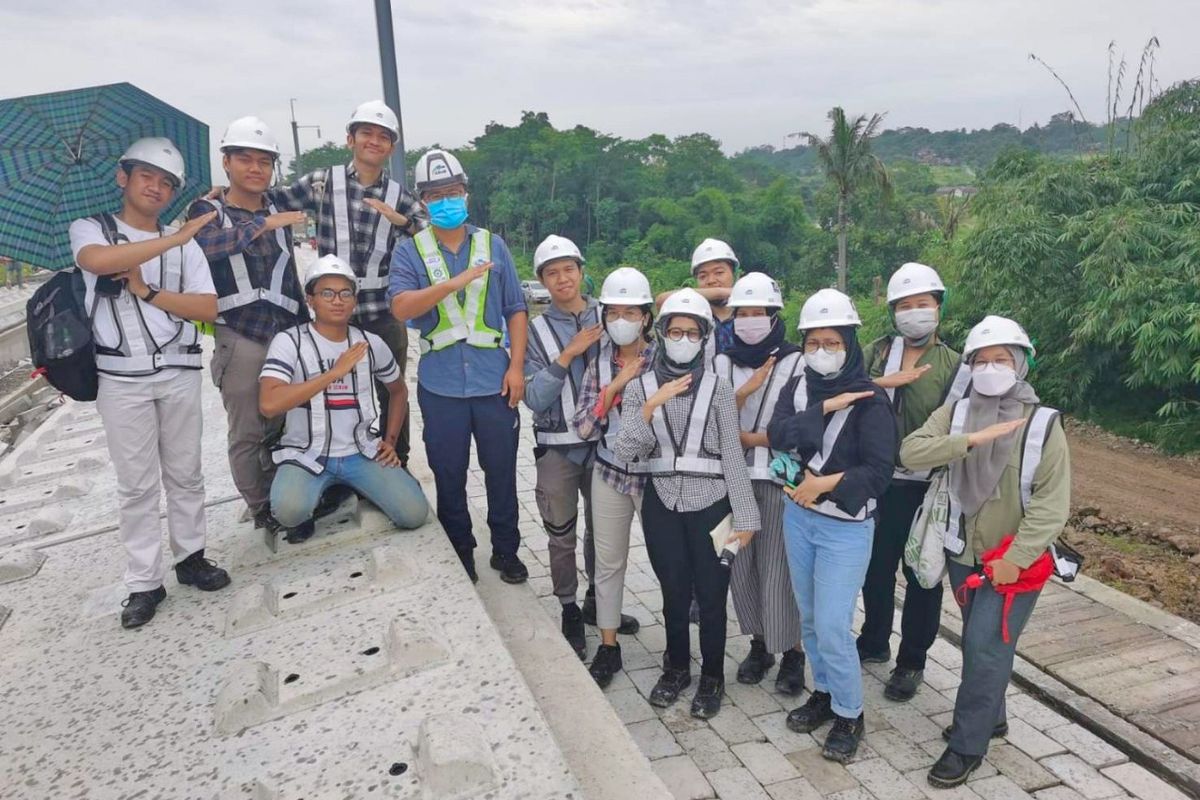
{"points": [[850, 165]]}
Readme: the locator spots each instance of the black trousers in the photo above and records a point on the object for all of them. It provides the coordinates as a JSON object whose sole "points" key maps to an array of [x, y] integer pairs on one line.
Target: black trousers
{"points": [[922, 611], [682, 555]]}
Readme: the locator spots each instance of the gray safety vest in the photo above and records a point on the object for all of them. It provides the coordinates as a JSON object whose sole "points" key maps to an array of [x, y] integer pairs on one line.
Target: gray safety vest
{"points": [[612, 426], [755, 414], [244, 292], [685, 456], [373, 272], [545, 338]]}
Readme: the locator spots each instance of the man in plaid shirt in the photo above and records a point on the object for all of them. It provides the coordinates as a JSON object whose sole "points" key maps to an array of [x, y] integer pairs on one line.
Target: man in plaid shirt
{"points": [[362, 215]]}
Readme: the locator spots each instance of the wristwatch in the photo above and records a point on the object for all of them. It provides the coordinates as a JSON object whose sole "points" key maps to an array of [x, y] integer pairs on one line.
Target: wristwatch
{"points": [[150, 295]]}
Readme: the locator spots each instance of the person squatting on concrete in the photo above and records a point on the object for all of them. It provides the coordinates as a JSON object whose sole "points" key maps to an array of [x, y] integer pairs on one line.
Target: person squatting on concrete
{"points": [[457, 284], [682, 420], [1010, 471], [143, 284], [248, 245], [837, 429], [626, 352], [564, 342], [758, 364], [322, 376]]}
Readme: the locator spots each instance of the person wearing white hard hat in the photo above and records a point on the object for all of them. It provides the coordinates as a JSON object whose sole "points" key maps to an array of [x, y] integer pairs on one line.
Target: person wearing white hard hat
{"points": [[714, 268], [363, 213], [759, 364], [1009, 481], [457, 285], [144, 284], [249, 250], [839, 436], [919, 372], [320, 377], [681, 420], [626, 352]]}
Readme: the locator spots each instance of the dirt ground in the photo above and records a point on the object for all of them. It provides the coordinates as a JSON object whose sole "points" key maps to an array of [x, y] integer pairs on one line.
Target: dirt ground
{"points": [[1137, 518]]}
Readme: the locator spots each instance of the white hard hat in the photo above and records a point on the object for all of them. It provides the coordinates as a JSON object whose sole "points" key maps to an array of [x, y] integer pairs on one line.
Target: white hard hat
{"points": [[552, 247], [625, 286], [828, 308], [712, 250], [157, 151], [755, 290], [437, 168], [375, 112], [994, 330], [686, 301], [251, 133], [913, 278], [329, 265]]}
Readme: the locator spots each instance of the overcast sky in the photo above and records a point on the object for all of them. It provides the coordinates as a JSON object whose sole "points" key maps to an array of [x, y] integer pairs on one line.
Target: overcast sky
{"points": [[749, 72]]}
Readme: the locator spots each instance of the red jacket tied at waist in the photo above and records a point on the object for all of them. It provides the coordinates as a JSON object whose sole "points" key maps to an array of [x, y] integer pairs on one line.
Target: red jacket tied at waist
{"points": [[1031, 579]]}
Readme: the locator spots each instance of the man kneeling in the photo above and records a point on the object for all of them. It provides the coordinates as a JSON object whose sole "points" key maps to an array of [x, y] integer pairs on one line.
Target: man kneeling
{"points": [[322, 375]]}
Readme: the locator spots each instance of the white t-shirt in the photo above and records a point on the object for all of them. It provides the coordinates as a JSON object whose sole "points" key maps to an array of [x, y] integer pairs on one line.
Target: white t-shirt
{"points": [[162, 326], [283, 363]]}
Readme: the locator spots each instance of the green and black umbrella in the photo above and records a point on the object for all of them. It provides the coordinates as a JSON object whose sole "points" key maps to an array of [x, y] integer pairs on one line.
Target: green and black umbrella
{"points": [[58, 158]]}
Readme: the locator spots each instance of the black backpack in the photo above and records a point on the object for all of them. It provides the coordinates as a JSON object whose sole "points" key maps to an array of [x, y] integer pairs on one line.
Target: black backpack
{"points": [[59, 325]]}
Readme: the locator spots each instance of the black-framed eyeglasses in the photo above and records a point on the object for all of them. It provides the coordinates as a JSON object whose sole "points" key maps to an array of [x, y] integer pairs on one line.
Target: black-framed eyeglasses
{"points": [[677, 334], [341, 294]]}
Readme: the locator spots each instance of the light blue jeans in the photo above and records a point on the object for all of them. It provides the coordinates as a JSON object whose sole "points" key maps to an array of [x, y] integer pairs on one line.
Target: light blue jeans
{"points": [[828, 560], [295, 491]]}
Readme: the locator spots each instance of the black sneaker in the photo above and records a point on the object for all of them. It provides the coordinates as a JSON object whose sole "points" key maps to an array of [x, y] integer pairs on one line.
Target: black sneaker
{"points": [[331, 499], [754, 667], [605, 664], [204, 574], [998, 732], [672, 682], [139, 607], [572, 629], [265, 519], [301, 533], [952, 769], [790, 678], [707, 701], [866, 656], [629, 625], [467, 557], [842, 742], [813, 714], [510, 568], [903, 684]]}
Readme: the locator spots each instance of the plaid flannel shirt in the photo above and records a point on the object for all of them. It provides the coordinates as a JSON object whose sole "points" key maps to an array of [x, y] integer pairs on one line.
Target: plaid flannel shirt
{"points": [[311, 193]]}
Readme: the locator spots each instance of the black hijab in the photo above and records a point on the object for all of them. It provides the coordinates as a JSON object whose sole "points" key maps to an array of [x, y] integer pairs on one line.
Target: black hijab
{"points": [[851, 378], [755, 355]]}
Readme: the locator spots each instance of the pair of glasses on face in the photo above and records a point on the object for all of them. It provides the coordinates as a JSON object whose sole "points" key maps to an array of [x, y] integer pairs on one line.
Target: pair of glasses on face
{"points": [[832, 345], [434, 195], [629, 315], [341, 294], [677, 334]]}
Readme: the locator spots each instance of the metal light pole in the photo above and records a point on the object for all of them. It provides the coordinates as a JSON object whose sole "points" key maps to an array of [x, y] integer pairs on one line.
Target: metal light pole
{"points": [[296, 135], [391, 86]]}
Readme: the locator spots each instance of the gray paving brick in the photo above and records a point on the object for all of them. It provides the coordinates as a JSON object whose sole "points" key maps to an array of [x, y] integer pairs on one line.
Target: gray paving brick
{"points": [[753, 700], [911, 723], [1087, 745], [795, 789], [1029, 739], [900, 751], [1023, 770], [999, 787], [736, 783], [765, 762], [1033, 712], [882, 780], [1058, 793], [774, 727], [654, 740], [683, 778], [1082, 777], [707, 749], [827, 777], [735, 727], [630, 705], [1141, 783], [919, 778]]}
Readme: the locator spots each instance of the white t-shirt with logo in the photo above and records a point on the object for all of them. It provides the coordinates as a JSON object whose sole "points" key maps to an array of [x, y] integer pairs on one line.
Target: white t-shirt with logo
{"points": [[283, 363], [162, 325]]}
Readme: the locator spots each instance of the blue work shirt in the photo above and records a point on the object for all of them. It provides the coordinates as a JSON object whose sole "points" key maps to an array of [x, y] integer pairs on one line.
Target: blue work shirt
{"points": [[461, 370]]}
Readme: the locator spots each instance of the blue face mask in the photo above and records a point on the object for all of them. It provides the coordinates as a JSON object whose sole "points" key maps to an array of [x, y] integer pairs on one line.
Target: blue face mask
{"points": [[448, 212]]}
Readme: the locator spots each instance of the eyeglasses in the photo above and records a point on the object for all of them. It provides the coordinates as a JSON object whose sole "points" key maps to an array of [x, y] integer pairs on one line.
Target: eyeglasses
{"points": [[832, 345], [677, 334], [341, 294], [629, 315], [434, 195]]}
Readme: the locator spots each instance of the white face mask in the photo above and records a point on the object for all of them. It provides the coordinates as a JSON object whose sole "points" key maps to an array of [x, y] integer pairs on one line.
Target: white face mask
{"points": [[993, 380], [752, 330], [623, 332], [825, 362], [917, 323], [683, 351]]}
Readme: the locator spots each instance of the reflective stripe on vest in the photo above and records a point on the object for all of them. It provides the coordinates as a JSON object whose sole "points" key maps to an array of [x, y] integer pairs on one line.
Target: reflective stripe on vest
{"points": [[544, 334], [246, 292], [373, 273], [958, 390], [690, 460], [604, 448], [755, 414], [1033, 443], [457, 323], [308, 429], [828, 441], [140, 354]]}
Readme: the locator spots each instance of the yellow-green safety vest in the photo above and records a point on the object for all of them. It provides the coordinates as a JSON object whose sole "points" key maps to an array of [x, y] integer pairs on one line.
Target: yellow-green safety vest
{"points": [[458, 323]]}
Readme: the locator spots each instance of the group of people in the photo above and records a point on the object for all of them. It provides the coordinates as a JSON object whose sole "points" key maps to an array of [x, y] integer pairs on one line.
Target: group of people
{"points": [[786, 473]]}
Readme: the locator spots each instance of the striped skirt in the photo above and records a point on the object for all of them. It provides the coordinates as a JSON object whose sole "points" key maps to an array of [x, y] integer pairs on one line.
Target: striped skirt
{"points": [[761, 584]]}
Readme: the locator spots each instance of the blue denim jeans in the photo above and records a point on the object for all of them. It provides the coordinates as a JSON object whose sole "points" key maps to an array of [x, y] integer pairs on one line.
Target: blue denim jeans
{"points": [[295, 491], [828, 560]]}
